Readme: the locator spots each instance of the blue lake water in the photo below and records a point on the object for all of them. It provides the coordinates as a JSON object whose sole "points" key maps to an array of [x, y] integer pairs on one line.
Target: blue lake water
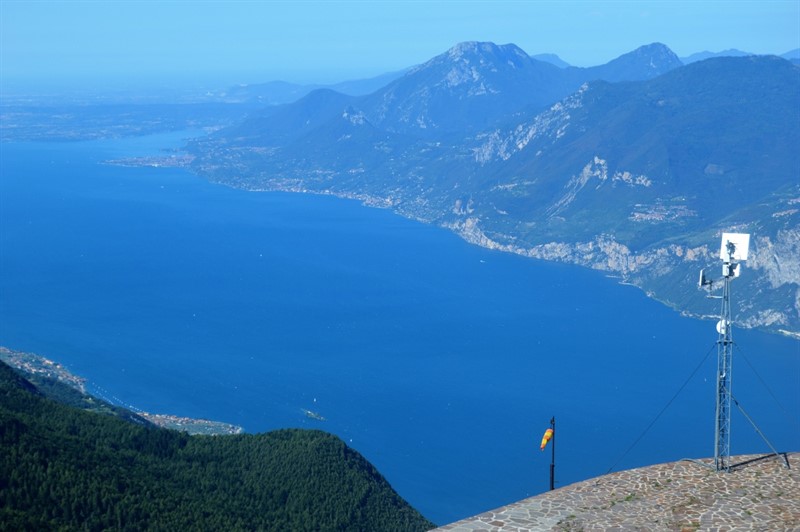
{"points": [[441, 362]]}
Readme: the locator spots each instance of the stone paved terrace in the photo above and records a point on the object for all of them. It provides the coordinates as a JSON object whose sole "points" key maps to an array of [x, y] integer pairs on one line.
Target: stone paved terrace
{"points": [[759, 494]]}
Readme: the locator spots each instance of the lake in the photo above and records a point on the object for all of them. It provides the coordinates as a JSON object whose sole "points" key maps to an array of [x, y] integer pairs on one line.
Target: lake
{"points": [[441, 362]]}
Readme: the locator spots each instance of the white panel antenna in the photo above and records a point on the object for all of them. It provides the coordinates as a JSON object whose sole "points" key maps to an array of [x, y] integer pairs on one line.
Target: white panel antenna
{"points": [[734, 247]]}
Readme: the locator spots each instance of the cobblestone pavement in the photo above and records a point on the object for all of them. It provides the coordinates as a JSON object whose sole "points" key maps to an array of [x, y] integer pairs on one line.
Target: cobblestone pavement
{"points": [[759, 493]]}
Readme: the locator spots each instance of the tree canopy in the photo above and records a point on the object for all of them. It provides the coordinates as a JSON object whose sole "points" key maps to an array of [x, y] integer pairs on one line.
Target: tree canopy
{"points": [[64, 468]]}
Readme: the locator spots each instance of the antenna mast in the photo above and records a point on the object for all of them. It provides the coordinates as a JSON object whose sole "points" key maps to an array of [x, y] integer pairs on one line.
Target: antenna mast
{"points": [[734, 249]]}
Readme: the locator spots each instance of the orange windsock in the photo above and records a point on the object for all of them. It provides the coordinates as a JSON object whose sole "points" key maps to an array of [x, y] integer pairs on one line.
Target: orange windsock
{"points": [[548, 435]]}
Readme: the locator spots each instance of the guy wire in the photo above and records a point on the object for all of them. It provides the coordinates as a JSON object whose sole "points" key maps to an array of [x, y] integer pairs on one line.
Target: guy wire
{"points": [[646, 430]]}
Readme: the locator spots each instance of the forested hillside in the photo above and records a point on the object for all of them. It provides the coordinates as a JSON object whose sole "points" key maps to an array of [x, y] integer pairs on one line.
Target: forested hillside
{"points": [[65, 468]]}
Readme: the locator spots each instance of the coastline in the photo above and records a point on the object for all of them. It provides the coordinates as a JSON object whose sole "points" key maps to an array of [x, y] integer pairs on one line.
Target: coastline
{"points": [[602, 253], [39, 366]]}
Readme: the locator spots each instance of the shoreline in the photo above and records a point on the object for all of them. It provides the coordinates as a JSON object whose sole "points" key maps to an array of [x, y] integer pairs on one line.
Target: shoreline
{"points": [[39, 366]]}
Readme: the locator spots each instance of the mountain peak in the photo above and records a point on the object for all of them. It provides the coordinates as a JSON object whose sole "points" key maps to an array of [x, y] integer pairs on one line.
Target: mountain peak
{"points": [[467, 48], [659, 54], [652, 47], [646, 62], [470, 85], [475, 48]]}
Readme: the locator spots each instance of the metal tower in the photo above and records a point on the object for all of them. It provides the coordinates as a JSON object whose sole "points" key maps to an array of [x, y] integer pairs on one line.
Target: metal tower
{"points": [[722, 433], [734, 249]]}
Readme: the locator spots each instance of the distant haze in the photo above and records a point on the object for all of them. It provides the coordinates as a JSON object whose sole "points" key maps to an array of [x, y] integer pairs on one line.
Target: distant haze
{"points": [[137, 43]]}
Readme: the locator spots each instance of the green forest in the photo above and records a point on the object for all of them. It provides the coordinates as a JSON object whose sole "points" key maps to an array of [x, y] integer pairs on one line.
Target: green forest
{"points": [[64, 468]]}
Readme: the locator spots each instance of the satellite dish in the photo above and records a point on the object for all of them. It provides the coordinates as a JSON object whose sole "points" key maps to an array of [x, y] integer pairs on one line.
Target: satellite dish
{"points": [[734, 246], [721, 326]]}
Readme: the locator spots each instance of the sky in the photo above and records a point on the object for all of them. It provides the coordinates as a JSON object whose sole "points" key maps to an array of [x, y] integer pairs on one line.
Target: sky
{"points": [[180, 41]]}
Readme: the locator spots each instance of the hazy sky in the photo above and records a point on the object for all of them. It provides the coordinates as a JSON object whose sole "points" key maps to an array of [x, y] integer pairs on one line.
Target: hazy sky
{"points": [[326, 41]]}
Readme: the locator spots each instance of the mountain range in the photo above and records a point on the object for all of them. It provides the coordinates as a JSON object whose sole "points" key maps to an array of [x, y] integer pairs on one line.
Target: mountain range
{"points": [[281, 92], [633, 167]]}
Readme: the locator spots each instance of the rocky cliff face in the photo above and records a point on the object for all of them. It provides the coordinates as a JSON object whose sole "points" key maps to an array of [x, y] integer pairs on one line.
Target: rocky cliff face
{"points": [[773, 267]]}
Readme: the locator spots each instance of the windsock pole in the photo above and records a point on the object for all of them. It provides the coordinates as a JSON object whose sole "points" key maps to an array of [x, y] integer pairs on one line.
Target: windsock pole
{"points": [[553, 456], [550, 435]]}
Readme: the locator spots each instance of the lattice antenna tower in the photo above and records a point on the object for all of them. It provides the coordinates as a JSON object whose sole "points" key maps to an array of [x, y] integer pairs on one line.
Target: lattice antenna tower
{"points": [[733, 250]]}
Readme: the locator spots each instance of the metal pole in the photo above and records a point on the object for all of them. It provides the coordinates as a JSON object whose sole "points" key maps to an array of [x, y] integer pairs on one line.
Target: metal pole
{"points": [[722, 435], [553, 458]]}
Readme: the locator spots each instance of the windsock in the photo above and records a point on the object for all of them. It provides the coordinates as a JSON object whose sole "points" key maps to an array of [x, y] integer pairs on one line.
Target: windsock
{"points": [[548, 435]]}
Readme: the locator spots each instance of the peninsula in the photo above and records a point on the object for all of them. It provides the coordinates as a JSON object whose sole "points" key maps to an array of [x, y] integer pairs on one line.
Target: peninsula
{"points": [[42, 372]]}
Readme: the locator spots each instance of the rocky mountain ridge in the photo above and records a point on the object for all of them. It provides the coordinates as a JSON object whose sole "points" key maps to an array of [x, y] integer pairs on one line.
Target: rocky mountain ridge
{"points": [[636, 177]]}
